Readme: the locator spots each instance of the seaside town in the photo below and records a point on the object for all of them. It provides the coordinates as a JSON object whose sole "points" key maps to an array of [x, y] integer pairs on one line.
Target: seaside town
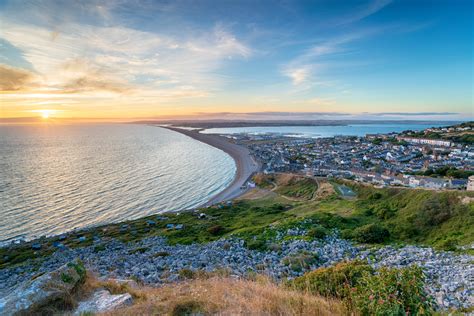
{"points": [[168, 248], [394, 159]]}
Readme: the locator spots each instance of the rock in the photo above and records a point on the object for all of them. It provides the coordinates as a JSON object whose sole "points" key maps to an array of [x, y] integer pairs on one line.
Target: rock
{"points": [[43, 290], [36, 246], [102, 301]]}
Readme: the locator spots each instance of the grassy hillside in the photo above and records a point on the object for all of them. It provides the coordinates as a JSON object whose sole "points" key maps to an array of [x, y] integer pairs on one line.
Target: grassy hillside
{"points": [[440, 219], [228, 296]]}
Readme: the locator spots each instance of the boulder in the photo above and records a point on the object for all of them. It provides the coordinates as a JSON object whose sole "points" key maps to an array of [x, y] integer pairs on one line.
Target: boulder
{"points": [[102, 301], [44, 290]]}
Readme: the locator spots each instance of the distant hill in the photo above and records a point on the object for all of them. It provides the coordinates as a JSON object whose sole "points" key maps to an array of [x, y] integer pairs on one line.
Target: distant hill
{"points": [[462, 133]]}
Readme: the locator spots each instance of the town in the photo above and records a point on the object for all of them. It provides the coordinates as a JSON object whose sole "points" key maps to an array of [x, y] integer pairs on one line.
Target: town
{"points": [[395, 159]]}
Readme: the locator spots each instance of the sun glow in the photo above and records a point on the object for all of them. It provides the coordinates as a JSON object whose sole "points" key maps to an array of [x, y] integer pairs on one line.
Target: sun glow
{"points": [[45, 114]]}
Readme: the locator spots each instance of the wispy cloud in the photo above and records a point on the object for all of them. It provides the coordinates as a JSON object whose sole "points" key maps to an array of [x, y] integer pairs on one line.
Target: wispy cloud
{"points": [[360, 13], [75, 57], [13, 79], [303, 67], [321, 101], [415, 113]]}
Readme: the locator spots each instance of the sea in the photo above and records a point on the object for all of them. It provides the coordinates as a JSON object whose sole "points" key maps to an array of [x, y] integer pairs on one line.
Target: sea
{"points": [[327, 131], [55, 178]]}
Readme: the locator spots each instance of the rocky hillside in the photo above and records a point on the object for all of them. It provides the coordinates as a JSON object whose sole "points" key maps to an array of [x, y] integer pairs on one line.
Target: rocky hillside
{"points": [[276, 237]]}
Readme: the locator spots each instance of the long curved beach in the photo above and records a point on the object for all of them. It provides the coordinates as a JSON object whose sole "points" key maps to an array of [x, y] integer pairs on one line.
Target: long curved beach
{"points": [[245, 164]]}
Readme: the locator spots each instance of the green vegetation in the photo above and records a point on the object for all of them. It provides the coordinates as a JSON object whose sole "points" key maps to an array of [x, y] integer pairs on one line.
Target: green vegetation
{"points": [[66, 278], [441, 219], [371, 233], [298, 188], [447, 172], [335, 281], [300, 261], [80, 269], [318, 232], [368, 292], [461, 137]]}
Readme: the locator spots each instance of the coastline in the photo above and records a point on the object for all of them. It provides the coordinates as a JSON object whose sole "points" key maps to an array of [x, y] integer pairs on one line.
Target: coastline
{"points": [[245, 164]]}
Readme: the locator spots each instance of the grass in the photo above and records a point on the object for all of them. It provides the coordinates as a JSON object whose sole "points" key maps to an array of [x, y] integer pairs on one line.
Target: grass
{"points": [[439, 219], [299, 188], [228, 296]]}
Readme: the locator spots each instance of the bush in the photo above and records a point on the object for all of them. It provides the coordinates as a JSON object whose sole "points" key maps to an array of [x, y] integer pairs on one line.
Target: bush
{"points": [[257, 244], [188, 307], [365, 291], [318, 232], [186, 274], [300, 261], [335, 281], [391, 292], [371, 233], [449, 244], [435, 210], [216, 230]]}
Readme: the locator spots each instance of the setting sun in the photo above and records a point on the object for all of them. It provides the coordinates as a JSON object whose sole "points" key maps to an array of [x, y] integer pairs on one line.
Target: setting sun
{"points": [[45, 114]]}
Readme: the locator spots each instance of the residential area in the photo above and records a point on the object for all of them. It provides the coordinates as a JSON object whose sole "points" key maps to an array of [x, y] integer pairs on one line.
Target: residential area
{"points": [[379, 159]]}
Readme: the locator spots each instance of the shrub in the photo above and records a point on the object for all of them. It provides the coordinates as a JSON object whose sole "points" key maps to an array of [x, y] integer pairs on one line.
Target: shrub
{"points": [[371, 233], [449, 244], [365, 291], [333, 281], [215, 230], [138, 250], [436, 210], [318, 232], [385, 211], [188, 307], [391, 292], [300, 261], [186, 274], [257, 244], [99, 248]]}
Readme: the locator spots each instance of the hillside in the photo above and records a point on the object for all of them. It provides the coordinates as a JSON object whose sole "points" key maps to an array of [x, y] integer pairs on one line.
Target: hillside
{"points": [[462, 133], [275, 234]]}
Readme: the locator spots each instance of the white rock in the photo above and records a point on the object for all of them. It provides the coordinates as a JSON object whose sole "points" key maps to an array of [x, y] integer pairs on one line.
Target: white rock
{"points": [[103, 301]]}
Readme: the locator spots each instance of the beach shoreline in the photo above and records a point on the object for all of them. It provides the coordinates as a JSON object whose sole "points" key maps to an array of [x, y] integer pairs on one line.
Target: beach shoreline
{"points": [[246, 166]]}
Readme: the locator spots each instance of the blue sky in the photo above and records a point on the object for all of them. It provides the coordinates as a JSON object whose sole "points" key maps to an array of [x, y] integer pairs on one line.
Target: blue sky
{"points": [[324, 59]]}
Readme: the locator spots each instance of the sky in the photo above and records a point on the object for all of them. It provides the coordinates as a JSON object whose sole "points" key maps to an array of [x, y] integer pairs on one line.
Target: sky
{"points": [[117, 59]]}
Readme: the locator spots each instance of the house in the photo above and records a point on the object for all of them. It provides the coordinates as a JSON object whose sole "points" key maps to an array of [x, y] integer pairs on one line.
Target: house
{"points": [[470, 184]]}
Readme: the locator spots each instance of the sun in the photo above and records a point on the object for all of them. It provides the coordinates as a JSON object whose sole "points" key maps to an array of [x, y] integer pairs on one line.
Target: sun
{"points": [[45, 114]]}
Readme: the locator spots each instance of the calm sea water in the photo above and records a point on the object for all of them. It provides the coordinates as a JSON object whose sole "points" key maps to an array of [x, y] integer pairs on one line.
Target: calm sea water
{"points": [[56, 178], [324, 131]]}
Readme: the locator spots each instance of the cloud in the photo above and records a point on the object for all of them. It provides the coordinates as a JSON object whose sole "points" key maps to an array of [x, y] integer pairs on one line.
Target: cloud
{"points": [[271, 115], [80, 58], [298, 75], [360, 13], [414, 113], [321, 101], [301, 69], [14, 79]]}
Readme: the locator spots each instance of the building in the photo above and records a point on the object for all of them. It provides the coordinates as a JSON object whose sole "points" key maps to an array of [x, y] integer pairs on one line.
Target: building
{"points": [[426, 141], [470, 184]]}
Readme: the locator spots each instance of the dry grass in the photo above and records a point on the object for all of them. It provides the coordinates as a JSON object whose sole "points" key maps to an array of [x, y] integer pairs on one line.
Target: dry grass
{"points": [[325, 189], [256, 194], [227, 296]]}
